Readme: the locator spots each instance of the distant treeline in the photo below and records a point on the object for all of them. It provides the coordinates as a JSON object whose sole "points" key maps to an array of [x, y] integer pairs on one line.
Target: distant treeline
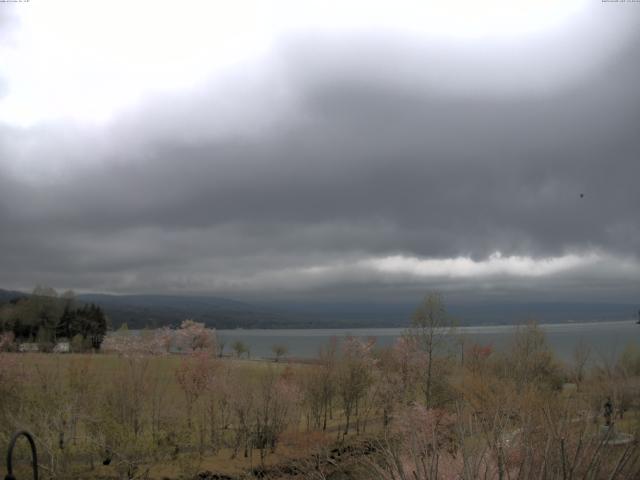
{"points": [[46, 317]]}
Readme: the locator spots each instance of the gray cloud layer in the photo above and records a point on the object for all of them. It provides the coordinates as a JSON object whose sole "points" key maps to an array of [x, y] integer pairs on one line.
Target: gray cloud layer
{"points": [[335, 151]]}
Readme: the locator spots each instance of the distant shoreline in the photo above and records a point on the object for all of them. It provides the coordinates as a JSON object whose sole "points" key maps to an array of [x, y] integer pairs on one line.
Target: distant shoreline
{"points": [[603, 337]]}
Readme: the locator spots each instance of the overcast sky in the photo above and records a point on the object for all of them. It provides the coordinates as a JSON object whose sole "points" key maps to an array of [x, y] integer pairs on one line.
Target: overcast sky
{"points": [[368, 150]]}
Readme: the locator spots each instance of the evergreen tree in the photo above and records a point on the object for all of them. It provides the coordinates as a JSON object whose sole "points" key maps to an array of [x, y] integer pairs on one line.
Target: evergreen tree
{"points": [[65, 323], [45, 317]]}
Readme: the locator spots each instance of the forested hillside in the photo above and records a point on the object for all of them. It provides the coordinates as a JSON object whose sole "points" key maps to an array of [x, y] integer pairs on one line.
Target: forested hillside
{"points": [[46, 317]]}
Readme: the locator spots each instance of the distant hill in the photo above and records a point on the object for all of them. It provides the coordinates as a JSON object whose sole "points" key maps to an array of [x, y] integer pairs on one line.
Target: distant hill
{"points": [[140, 311], [8, 295], [399, 314]]}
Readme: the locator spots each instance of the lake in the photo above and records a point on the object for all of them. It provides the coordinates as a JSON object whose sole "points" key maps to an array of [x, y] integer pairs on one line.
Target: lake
{"points": [[606, 339]]}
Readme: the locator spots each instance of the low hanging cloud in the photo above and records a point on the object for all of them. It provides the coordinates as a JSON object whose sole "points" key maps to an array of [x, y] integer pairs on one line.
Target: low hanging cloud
{"points": [[495, 265]]}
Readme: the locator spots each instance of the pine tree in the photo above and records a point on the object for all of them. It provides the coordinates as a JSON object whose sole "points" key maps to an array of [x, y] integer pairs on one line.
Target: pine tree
{"points": [[63, 328]]}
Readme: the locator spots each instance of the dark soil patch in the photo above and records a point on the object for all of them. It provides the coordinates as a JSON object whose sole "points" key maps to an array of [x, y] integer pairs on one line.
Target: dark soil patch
{"points": [[338, 463]]}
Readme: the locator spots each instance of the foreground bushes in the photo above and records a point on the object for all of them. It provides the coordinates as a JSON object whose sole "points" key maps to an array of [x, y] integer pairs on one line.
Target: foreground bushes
{"points": [[518, 413]]}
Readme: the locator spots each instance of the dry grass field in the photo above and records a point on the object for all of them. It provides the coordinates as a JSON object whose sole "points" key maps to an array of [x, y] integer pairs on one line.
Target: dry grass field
{"points": [[359, 412]]}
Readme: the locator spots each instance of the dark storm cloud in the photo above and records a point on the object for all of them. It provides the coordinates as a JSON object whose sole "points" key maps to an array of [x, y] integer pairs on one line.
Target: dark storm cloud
{"points": [[354, 161]]}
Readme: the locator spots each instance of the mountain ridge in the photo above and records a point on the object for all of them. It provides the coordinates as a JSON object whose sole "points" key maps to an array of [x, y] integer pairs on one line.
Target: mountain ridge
{"points": [[156, 310]]}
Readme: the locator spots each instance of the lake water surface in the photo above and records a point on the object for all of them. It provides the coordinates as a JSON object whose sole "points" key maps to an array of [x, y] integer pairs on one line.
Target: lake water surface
{"points": [[606, 339]]}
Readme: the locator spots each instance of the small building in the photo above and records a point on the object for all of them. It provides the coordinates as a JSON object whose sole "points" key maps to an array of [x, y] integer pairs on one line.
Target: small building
{"points": [[62, 346], [29, 347]]}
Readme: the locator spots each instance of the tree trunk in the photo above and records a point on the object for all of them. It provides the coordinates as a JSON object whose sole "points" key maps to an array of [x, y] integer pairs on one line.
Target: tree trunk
{"points": [[428, 387], [324, 423]]}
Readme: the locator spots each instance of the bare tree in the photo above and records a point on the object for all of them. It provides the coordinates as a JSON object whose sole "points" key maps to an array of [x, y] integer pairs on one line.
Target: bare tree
{"points": [[276, 396], [240, 348], [428, 331], [194, 376], [279, 351], [354, 376], [529, 359], [581, 354]]}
